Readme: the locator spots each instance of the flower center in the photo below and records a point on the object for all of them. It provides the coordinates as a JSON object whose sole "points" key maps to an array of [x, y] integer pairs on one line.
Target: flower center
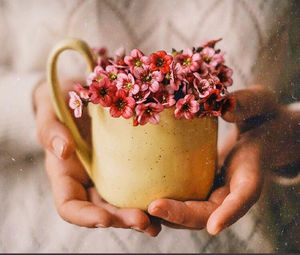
{"points": [[138, 63], [112, 76], [99, 78], [103, 91], [218, 86], [128, 86], [186, 107], [148, 110], [164, 99], [206, 59], [159, 62], [77, 103], [121, 104], [147, 78], [137, 97], [212, 98], [187, 62], [222, 77]]}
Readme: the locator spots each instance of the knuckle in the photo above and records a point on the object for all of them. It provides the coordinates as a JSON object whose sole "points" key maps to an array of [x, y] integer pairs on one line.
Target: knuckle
{"points": [[180, 218], [141, 219], [43, 134]]}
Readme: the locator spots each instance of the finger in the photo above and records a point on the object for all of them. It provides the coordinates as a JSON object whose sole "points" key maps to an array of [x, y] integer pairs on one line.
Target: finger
{"points": [[84, 213], [245, 183], [254, 101], [191, 214], [154, 228], [70, 195], [52, 134], [121, 217]]}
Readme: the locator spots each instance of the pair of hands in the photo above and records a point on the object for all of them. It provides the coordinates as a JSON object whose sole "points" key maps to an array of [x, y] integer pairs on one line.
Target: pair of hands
{"points": [[257, 138]]}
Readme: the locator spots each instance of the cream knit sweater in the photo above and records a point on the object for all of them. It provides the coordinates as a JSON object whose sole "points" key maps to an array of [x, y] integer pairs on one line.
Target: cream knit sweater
{"points": [[258, 37]]}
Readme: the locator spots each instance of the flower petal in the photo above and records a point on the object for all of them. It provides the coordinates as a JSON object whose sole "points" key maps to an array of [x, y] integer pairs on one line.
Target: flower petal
{"points": [[78, 112], [127, 112], [115, 112], [154, 87], [194, 106]]}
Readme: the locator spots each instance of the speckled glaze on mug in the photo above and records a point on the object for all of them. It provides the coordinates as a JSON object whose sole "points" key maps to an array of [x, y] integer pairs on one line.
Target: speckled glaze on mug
{"points": [[132, 166]]}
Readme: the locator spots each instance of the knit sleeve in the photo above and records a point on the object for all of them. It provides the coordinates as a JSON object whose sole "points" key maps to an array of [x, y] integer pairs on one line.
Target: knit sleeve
{"points": [[17, 121], [23, 57]]}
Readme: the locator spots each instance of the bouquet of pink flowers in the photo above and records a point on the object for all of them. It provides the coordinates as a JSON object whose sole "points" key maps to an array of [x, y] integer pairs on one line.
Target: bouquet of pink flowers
{"points": [[193, 81]]}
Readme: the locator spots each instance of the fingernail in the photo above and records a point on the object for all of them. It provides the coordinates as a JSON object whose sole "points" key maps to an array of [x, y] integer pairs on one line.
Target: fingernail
{"points": [[137, 229], [160, 212], [215, 230], [59, 146], [100, 226]]}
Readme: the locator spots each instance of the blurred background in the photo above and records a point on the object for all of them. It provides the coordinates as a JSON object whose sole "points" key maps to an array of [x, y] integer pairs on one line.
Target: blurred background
{"points": [[261, 41]]}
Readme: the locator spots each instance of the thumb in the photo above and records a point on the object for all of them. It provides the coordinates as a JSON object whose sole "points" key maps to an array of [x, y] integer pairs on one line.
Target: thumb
{"points": [[256, 101], [52, 134]]}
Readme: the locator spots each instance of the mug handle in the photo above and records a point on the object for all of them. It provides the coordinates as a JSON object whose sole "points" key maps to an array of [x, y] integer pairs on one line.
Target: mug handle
{"points": [[82, 149]]}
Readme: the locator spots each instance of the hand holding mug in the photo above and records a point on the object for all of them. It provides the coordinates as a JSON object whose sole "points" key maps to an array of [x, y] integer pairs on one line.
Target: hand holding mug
{"points": [[75, 198], [252, 151]]}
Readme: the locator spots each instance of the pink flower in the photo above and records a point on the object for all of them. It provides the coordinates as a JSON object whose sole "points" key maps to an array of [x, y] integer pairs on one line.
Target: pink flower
{"points": [[217, 59], [166, 99], [186, 107], [228, 104], [102, 59], [160, 61], [112, 72], [120, 52], [149, 80], [213, 103], [102, 92], [76, 104], [203, 69], [212, 79], [98, 75], [211, 57], [189, 62], [122, 105], [118, 60], [207, 54], [201, 85], [101, 51], [127, 83], [224, 75], [136, 59], [141, 96], [148, 113], [81, 91], [175, 78]]}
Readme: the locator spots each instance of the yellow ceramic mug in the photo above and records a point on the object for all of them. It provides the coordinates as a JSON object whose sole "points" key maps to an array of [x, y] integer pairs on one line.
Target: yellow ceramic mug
{"points": [[132, 166]]}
